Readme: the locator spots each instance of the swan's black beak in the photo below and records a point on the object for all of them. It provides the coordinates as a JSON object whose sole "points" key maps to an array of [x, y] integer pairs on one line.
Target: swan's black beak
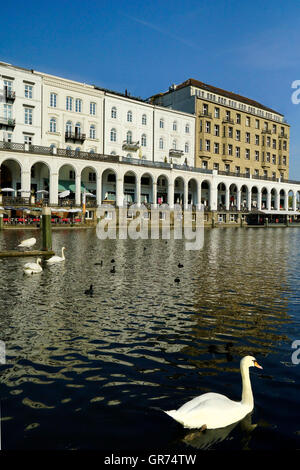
{"points": [[257, 365]]}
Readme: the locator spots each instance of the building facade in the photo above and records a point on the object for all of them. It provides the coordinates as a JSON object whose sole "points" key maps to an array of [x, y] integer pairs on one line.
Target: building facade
{"points": [[233, 133]]}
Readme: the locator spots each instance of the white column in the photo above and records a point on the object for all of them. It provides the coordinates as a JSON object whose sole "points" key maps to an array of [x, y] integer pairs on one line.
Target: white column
{"points": [[268, 200], [286, 201], [25, 183], [213, 196], [238, 199], [294, 201], [138, 190], [120, 191], [249, 193], [154, 193], [53, 188], [78, 189], [99, 189], [227, 199], [185, 194], [277, 200], [259, 199], [171, 195]]}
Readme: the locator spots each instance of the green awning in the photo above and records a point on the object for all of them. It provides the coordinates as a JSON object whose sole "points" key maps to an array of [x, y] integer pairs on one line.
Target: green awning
{"points": [[64, 185]]}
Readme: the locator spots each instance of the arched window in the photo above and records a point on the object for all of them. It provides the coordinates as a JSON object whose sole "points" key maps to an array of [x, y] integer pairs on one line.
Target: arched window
{"points": [[113, 135], [114, 112], [174, 144], [144, 119], [187, 128], [161, 123], [144, 140], [186, 147], [129, 137], [78, 105], [78, 128], [174, 126], [161, 143], [92, 132], [52, 125], [129, 116], [69, 127]]}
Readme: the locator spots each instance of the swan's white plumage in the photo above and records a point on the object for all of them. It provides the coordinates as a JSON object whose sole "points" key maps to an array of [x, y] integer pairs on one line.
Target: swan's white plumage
{"points": [[28, 243], [214, 410], [57, 259], [33, 268]]}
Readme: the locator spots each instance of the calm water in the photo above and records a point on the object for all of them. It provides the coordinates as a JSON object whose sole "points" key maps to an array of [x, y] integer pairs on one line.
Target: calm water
{"points": [[94, 372]]}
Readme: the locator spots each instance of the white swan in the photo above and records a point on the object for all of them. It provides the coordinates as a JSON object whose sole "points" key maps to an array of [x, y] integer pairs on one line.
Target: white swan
{"points": [[213, 410], [33, 268], [57, 259], [28, 243]]}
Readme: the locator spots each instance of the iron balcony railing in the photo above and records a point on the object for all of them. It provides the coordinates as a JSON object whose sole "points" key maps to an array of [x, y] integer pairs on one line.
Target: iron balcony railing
{"points": [[75, 136], [10, 95], [7, 122]]}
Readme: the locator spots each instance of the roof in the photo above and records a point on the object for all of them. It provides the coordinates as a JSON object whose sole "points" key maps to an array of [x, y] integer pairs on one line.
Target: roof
{"points": [[219, 91]]}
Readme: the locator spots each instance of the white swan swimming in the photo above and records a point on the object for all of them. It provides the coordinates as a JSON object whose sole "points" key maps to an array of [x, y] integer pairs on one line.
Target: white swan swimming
{"points": [[33, 268], [28, 243], [57, 259], [213, 410]]}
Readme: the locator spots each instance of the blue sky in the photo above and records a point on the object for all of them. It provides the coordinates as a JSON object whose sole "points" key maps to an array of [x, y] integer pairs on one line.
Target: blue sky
{"points": [[249, 47]]}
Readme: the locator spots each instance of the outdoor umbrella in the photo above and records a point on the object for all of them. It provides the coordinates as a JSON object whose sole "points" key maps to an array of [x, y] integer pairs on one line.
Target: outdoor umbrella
{"points": [[42, 191], [64, 193], [8, 190]]}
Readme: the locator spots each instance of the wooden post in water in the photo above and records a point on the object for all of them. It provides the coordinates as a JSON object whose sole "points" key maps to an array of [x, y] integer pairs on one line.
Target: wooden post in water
{"points": [[46, 229]]}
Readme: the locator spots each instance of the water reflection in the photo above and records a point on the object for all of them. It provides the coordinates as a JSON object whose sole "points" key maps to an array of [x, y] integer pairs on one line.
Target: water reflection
{"points": [[141, 338]]}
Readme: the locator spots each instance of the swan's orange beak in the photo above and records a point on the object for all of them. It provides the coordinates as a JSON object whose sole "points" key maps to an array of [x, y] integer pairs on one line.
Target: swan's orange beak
{"points": [[257, 365]]}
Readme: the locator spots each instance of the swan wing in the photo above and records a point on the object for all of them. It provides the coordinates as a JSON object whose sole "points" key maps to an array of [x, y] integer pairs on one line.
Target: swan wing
{"points": [[54, 259]]}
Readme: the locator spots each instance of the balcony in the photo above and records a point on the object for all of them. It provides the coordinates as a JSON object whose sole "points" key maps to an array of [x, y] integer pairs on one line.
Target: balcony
{"points": [[266, 131], [175, 153], [227, 158], [205, 114], [10, 95], [227, 120], [266, 164], [131, 146], [75, 137], [283, 136], [7, 123], [205, 154]]}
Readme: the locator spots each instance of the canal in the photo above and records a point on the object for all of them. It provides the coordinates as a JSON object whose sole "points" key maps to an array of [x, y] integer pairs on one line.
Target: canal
{"points": [[94, 372]]}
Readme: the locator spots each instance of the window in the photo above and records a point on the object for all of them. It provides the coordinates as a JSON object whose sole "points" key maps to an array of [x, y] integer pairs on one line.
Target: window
{"points": [[174, 144], [8, 85], [28, 116], [216, 147], [274, 159], [113, 135], [186, 147], [230, 132], [204, 165], [216, 166], [284, 160], [268, 157], [227, 167], [256, 172], [256, 139], [237, 152], [92, 132], [161, 123], [28, 139], [53, 100], [69, 127], [161, 143], [284, 146], [229, 149], [274, 129], [238, 135], [78, 105], [207, 127], [174, 126], [248, 121], [238, 119], [217, 130], [247, 154], [238, 169], [268, 141], [129, 116], [52, 125], [247, 137], [92, 177], [144, 120], [78, 128], [7, 108], [257, 123], [72, 174], [207, 145], [114, 112], [187, 129], [217, 112], [274, 143], [28, 91], [93, 109], [69, 103], [256, 155], [129, 137], [9, 137], [144, 140]]}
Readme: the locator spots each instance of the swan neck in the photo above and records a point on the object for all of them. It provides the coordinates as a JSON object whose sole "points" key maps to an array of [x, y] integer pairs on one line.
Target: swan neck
{"points": [[247, 396]]}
